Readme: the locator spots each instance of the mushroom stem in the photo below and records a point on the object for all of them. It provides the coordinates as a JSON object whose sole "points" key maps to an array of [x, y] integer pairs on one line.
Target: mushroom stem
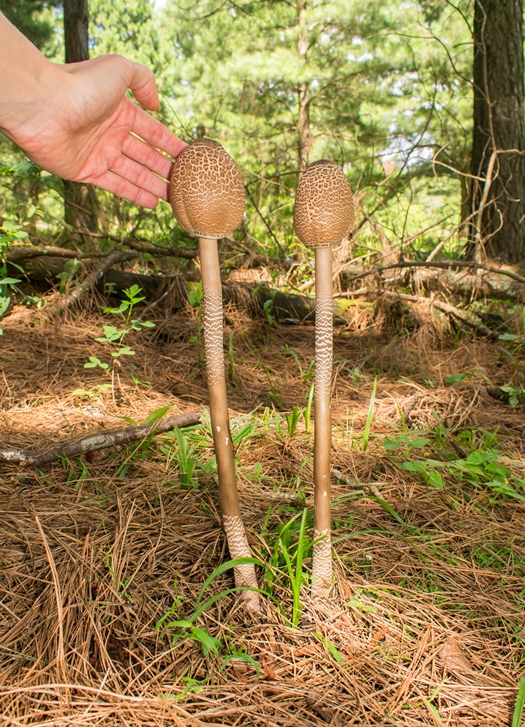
{"points": [[220, 421], [322, 551]]}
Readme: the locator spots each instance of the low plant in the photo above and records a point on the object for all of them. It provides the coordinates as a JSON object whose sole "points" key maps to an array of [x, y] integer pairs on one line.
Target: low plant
{"points": [[187, 629], [10, 233], [114, 336], [287, 558]]}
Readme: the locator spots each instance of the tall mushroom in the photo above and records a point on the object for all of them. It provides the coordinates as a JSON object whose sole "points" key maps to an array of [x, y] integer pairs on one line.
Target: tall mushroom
{"points": [[323, 215], [207, 196]]}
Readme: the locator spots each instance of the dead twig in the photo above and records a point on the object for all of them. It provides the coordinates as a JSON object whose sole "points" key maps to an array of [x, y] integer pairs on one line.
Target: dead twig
{"points": [[102, 440]]}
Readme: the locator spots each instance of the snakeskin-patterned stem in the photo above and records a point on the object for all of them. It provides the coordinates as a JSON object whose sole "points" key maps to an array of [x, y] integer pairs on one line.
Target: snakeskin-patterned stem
{"points": [[220, 421], [322, 553]]}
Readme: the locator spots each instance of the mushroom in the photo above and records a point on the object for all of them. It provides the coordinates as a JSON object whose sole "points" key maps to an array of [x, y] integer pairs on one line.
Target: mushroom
{"points": [[323, 215], [207, 197]]}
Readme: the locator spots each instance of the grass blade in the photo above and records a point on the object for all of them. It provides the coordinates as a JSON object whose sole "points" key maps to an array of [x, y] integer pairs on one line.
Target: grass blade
{"points": [[520, 702]]}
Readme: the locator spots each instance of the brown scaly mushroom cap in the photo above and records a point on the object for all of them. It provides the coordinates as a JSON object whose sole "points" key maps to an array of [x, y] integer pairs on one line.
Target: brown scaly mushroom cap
{"points": [[206, 190], [324, 207]]}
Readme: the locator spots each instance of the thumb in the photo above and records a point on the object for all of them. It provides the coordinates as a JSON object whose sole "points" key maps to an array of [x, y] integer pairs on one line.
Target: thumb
{"points": [[142, 82]]}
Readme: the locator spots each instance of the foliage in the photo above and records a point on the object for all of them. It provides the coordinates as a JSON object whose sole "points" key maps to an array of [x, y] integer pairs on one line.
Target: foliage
{"points": [[115, 336], [32, 17], [388, 86]]}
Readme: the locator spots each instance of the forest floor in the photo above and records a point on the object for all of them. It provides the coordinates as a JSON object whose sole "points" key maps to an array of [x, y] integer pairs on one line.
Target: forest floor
{"points": [[425, 624]]}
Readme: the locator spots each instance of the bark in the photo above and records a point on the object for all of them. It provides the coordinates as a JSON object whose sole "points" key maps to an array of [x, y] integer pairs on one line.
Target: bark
{"points": [[80, 200], [498, 199]]}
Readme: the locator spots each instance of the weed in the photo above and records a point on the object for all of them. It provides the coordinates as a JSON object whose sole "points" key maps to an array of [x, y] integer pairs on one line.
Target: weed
{"points": [[292, 419], [192, 686], [516, 394], [288, 557], [115, 336], [482, 469], [339, 658], [186, 629], [307, 411], [10, 233]]}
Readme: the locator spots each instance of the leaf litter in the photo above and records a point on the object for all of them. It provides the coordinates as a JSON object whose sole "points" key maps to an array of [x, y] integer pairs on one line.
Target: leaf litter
{"points": [[425, 623]]}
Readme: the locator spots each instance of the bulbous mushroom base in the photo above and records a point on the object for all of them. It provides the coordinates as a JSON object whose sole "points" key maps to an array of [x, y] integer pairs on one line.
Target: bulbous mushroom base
{"points": [[322, 572], [244, 574]]}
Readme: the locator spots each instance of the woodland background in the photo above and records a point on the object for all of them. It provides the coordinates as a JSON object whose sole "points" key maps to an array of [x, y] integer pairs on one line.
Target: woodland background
{"points": [[107, 613], [420, 102]]}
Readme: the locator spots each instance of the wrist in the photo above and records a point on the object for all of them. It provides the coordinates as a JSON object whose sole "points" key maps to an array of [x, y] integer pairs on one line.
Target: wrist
{"points": [[27, 79]]}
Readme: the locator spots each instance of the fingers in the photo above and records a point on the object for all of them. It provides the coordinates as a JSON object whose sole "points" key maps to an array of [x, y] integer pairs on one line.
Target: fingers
{"points": [[121, 187], [140, 176], [156, 134], [147, 155]]}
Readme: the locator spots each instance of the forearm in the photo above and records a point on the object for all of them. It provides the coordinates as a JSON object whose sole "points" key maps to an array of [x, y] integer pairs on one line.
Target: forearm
{"points": [[25, 76]]}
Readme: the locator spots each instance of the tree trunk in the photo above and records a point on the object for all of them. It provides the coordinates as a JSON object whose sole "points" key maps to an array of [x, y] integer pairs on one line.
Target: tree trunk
{"points": [[80, 200], [305, 137], [498, 201]]}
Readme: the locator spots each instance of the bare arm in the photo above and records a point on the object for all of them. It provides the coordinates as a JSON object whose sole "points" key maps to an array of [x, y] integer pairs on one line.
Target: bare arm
{"points": [[76, 121]]}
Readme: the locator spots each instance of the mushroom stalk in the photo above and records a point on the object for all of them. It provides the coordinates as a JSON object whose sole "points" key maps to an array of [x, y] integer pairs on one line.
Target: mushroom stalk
{"points": [[323, 215], [207, 196], [322, 551], [220, 423]]}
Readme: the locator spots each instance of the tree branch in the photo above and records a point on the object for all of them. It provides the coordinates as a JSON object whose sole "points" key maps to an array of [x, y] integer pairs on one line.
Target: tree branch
{"points": [[93, 442]]}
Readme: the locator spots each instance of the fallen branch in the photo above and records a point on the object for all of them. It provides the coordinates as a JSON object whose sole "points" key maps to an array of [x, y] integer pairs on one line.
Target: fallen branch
{"points": [[89, 282], [93, 442], [445, 265], [25, 252]]}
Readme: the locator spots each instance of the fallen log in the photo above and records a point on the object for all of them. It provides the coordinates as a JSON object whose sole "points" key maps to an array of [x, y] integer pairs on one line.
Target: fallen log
{"points": [[258, 300], [94, 442]]}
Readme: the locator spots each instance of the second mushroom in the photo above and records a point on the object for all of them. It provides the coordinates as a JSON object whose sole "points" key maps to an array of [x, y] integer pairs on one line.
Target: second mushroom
{"points": [[323, 216], [207, 196]]}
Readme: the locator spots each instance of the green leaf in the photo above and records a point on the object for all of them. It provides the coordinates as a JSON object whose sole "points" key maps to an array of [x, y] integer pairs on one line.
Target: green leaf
{"points": [[4, 305], [413, 466], [435, 479], [209, 643], [159, 413], [331, 648], [455, 378]]}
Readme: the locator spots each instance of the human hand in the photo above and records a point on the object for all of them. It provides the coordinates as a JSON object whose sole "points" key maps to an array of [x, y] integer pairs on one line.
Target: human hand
{"points": [[88, 130]]}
